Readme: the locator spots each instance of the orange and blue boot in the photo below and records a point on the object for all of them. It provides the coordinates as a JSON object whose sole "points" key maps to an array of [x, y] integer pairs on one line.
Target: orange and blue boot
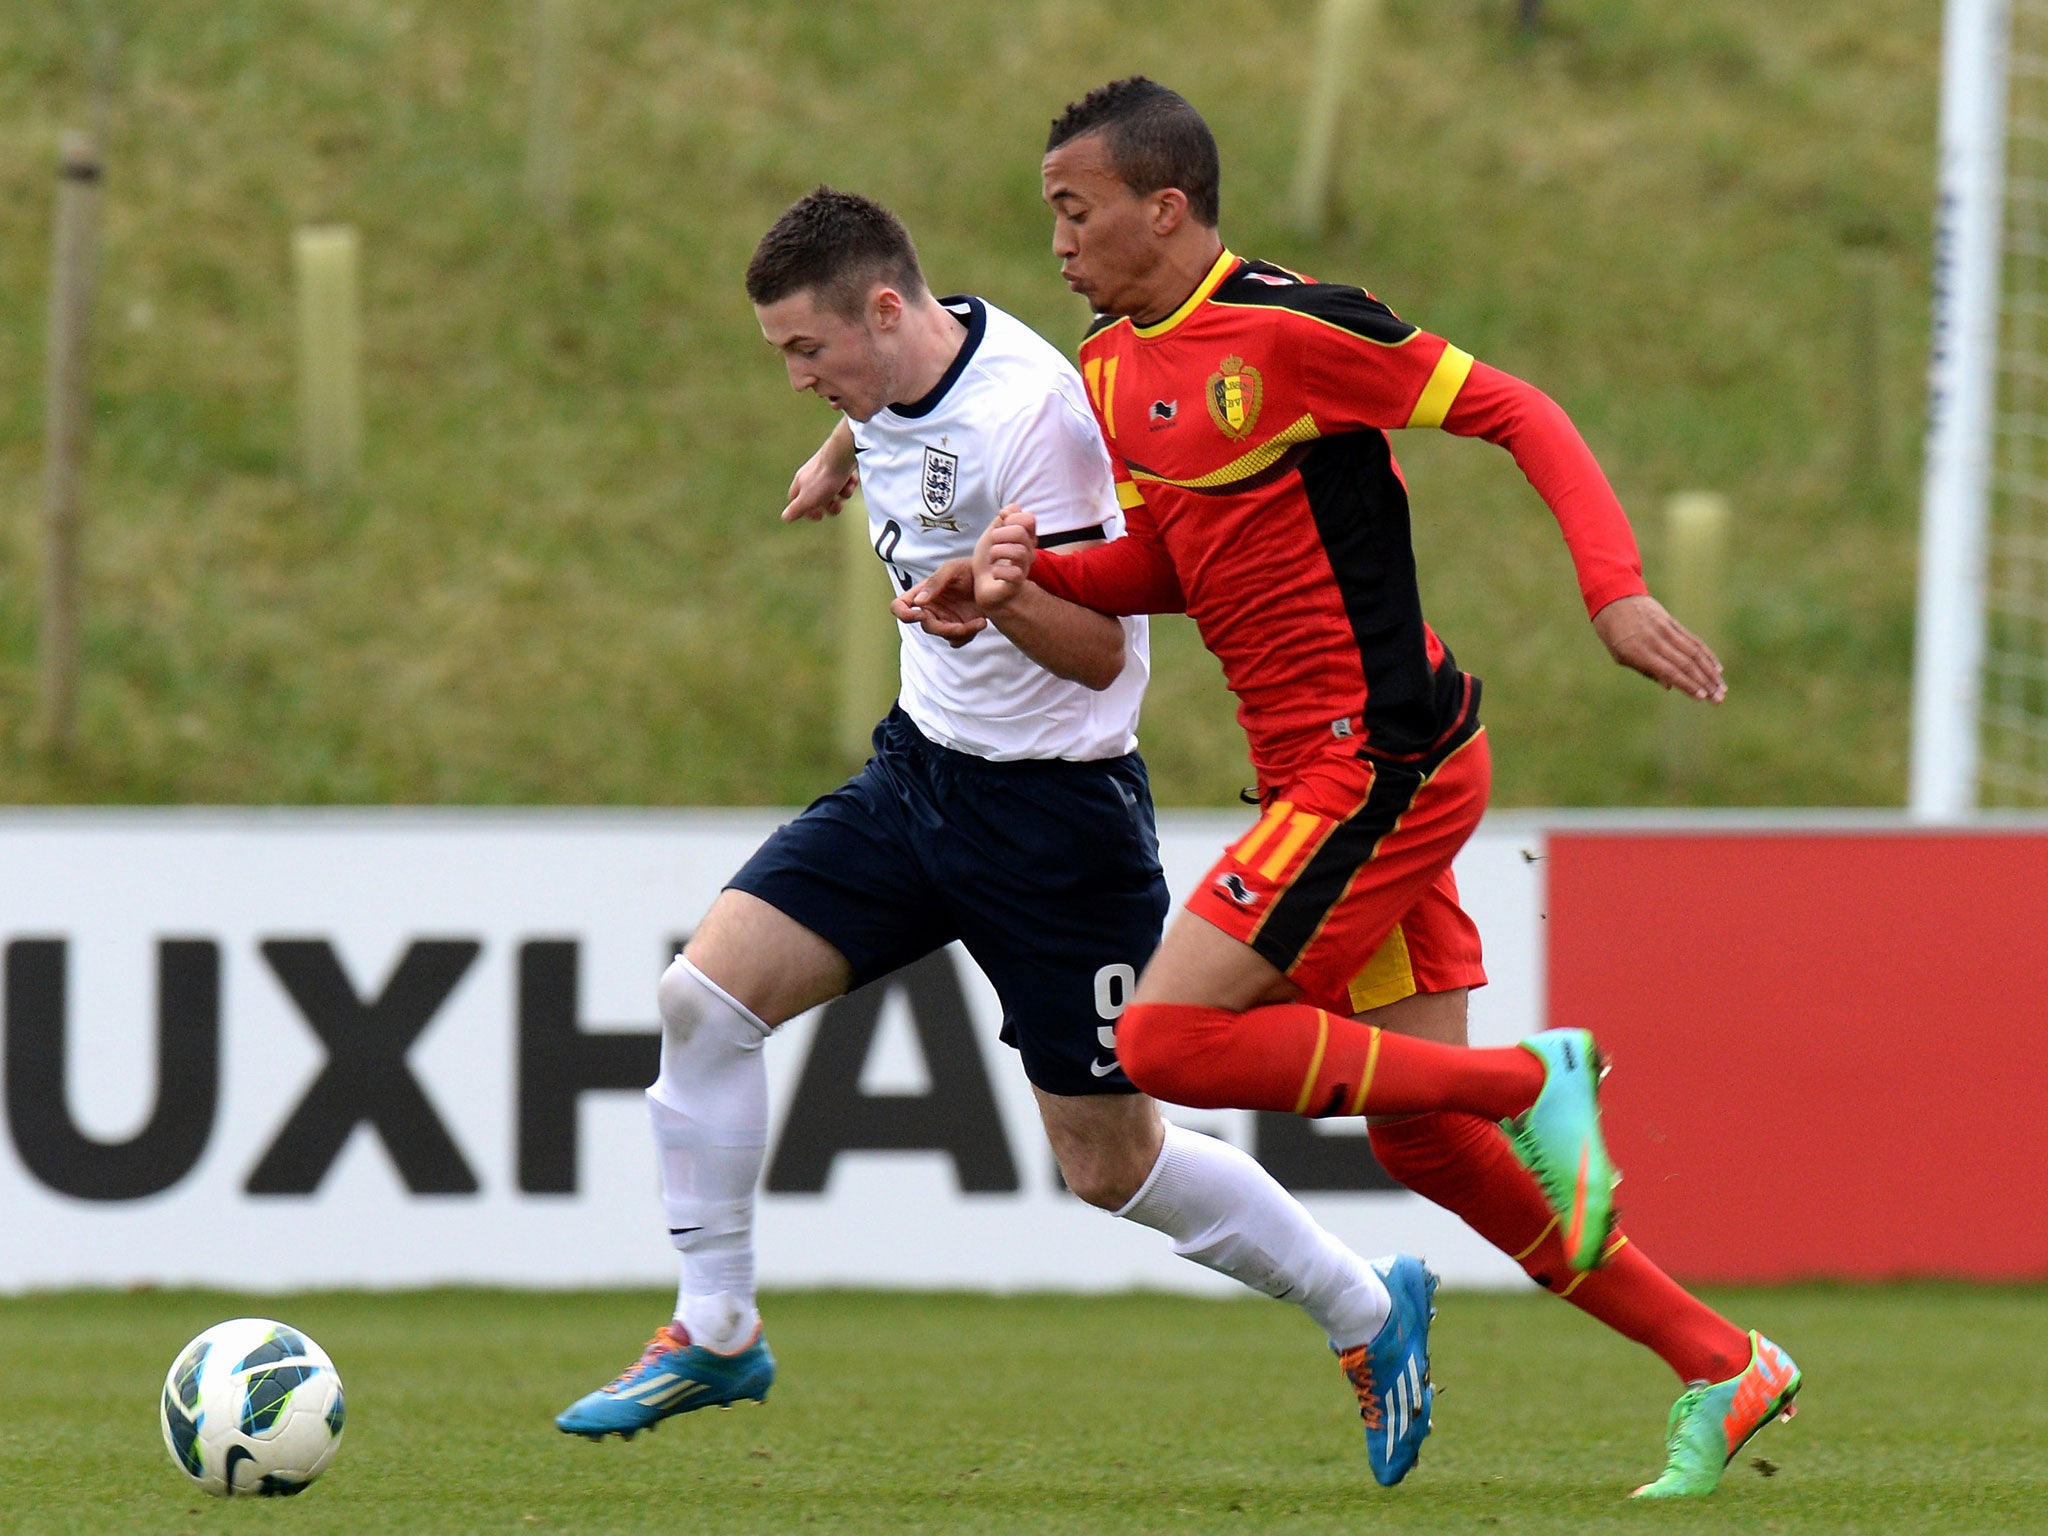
{"points": [[671, 1376], [1390, 1372]]}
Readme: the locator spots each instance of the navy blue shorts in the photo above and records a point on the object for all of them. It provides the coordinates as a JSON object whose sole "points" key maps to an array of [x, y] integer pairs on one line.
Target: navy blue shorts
{"points": [[1047, 871]]}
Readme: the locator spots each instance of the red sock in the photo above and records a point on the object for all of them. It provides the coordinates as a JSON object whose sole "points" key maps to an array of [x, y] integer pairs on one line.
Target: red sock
{"points": [[1465, 1165], [1304, 1061]]}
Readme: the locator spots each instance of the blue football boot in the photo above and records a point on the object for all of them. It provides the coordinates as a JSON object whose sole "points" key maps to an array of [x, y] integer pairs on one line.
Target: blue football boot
{"points": [[671, 1376], [1390, 1373]]}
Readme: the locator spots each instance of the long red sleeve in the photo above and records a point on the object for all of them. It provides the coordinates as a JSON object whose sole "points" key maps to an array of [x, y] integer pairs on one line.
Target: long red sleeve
{"points": [[1133, 574], [1547, 448]]}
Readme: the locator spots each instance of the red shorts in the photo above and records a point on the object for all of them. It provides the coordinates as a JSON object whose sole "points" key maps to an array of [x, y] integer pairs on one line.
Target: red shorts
{"points": [[1345, 883]]}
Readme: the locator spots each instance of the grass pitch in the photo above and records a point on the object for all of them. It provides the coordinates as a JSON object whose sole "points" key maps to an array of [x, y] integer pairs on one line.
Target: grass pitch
{"points": [[1102, 1414]]}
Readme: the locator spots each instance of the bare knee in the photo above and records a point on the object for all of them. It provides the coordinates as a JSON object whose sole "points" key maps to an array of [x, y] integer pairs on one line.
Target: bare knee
{"points": [[1107, 1145], [763, 959], [1102, 1183]]}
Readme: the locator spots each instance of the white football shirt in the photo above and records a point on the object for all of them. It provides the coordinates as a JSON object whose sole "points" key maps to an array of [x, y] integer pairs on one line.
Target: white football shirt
{"points": [[1009, 422]]}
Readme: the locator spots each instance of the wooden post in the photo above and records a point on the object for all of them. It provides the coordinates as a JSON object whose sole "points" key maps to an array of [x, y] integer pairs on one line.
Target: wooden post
{"points": [[328, 263], [67, 413], [867, 635], [547, 123], [1696, 546], [1339, 33]]}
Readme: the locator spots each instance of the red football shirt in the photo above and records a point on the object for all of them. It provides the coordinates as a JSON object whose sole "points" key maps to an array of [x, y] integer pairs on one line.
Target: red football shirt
{"points": [[1249, 431]]}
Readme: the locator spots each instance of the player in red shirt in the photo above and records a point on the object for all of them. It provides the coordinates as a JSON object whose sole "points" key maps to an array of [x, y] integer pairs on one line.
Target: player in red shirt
{"points": [[1247, 409]]}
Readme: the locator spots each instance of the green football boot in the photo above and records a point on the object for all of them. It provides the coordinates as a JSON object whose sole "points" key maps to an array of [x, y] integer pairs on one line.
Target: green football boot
{"points": [[1711, 1422], [1558, 1140]]}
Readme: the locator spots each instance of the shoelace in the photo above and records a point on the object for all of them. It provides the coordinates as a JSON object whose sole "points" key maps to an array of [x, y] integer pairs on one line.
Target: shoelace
{"points": [[1526, 1146], [1681, 1415], [661, 1343], [1357, 1364]]}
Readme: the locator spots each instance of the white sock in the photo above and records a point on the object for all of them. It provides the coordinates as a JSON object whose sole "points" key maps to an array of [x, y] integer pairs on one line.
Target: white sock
{"points": [[709, 1109], [1226, 1213]]}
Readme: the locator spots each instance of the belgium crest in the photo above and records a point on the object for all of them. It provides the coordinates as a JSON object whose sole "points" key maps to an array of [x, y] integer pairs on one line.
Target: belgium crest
{"points": [[1234, 395]]}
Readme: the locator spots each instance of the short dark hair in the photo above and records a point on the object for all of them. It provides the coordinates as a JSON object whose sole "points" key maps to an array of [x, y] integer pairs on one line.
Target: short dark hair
{"points": [[1155, 138], [839, 244]]}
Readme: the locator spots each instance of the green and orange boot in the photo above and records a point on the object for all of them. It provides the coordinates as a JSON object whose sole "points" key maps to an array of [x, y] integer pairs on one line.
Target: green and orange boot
{"points": [[1712, 1421], [1558, 1140]]}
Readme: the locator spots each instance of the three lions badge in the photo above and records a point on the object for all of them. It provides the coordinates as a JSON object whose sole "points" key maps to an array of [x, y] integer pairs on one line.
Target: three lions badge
{"points": [[941, 484]]}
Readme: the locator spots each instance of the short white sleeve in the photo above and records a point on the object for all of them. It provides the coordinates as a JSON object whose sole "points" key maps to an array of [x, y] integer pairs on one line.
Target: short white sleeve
{"points": [[1055, 467]]}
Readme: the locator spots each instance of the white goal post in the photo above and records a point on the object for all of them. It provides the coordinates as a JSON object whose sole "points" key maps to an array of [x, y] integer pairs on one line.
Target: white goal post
{"points": [[1980, 685], [1948, 652]]}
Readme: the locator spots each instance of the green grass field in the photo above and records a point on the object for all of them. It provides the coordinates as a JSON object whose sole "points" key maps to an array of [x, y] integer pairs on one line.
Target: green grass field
{"points": [[559, 578], [1100, 1415]]}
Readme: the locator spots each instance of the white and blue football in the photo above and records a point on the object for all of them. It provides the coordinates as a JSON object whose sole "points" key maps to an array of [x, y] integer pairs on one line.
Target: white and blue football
{"points": [[251, 1406]]}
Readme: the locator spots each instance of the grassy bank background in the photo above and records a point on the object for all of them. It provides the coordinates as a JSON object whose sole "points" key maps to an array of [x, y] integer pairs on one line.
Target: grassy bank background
{"points": [[559, 577]]}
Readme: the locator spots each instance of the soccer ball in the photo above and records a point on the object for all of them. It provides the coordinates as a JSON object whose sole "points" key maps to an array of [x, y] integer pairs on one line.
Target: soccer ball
{"points": [[252, 1406]]}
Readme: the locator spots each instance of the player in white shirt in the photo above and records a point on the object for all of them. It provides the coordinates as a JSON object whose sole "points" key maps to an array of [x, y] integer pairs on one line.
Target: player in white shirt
{"points": [[1007, 423], [1005, 807]]}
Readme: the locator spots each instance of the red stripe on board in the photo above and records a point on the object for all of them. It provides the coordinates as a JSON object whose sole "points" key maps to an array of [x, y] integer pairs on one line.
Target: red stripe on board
{"points": [[1830, 1050]]}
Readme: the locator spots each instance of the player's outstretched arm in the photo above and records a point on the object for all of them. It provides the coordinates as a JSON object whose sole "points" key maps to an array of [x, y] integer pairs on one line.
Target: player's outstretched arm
{"points": [[826, 479], [1633, 625], [1638, 633], [1066, 639]]}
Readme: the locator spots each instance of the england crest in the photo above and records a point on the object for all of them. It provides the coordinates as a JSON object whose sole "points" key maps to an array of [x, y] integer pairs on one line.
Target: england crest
{"points": [[941, 483]]}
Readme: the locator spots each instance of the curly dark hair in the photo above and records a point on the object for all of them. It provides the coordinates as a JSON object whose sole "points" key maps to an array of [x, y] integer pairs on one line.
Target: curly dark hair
{"points": [[838, 244], [1155, 139]]}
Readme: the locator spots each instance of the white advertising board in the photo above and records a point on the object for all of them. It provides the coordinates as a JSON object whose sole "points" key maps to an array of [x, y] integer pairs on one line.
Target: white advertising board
{"points": [[381, 1048]]}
